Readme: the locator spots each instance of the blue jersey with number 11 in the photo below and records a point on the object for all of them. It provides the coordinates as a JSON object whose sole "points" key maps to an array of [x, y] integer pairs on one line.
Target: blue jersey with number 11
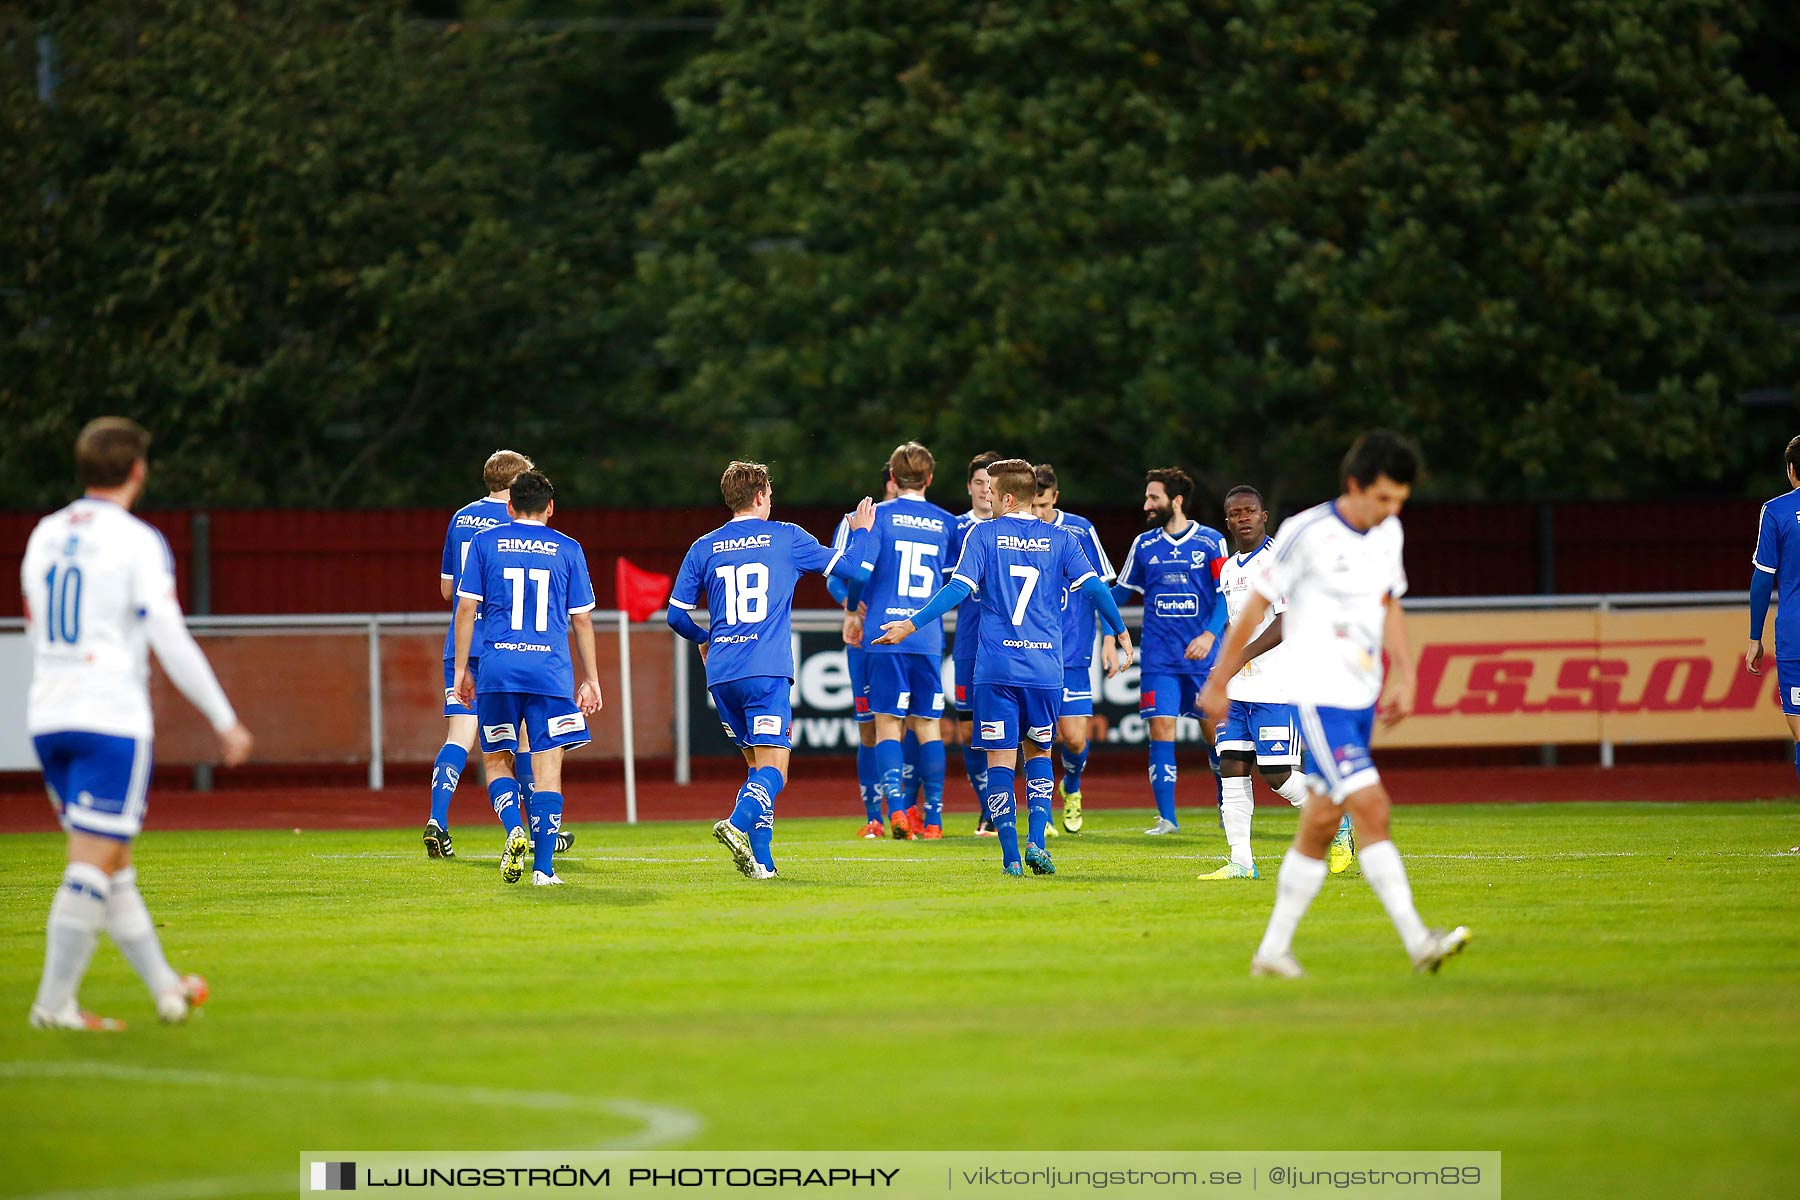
{"points": [[529, 579], [1020, 566]]}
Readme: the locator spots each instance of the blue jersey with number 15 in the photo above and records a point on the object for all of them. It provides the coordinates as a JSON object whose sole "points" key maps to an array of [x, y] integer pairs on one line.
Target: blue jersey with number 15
{"points": [[911, 551], [530, 579], [1020, 566], [744, 572]]}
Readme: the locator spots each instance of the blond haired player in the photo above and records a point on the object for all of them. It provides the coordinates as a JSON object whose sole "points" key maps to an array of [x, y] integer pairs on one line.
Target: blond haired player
{"points": [[99, 589]]}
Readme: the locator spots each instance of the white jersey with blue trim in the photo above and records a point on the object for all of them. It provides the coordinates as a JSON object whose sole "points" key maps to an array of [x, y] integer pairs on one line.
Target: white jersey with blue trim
{"points": [[1260, 681], [99, 588], [1336, 581]]}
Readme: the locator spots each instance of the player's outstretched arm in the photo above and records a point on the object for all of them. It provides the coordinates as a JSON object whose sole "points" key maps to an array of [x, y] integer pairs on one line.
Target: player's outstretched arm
{"points": [[587, 692], [947, 598], [1402, 680], [1231, 656]]}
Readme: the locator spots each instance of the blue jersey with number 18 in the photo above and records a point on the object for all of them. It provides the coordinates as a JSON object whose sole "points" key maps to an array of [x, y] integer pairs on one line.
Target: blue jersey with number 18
{"points": [[530, 579], [1020, 566], [744, 573], [912, 543]]}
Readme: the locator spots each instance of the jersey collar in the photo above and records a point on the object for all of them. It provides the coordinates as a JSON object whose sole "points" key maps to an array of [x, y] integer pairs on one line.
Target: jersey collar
{"points": [[1192, 529], [1346, 524], [526, 521], [1244, 558], [749, 516]]}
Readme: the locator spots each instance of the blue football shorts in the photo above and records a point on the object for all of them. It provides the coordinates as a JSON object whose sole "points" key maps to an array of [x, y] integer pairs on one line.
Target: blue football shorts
{"points": [[1337, 760], [99, 783], [757, 711]]}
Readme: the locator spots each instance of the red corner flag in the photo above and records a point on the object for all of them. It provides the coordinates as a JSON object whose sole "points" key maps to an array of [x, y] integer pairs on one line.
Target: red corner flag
{"points": [[641, 592]]}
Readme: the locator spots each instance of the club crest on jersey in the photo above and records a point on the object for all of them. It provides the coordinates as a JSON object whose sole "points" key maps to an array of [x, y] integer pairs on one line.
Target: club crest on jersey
{"points": [[567, 723], [500, 733], [766, 724]]}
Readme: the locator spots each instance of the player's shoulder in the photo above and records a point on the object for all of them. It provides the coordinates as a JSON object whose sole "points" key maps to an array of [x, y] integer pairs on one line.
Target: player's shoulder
{"points": [[480, 514], [1320, 518], [1074, 522], [1787, 502]]}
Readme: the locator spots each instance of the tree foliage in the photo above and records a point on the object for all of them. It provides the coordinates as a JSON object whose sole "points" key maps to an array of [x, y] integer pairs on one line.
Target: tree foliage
{"points": [[1219, 233]]}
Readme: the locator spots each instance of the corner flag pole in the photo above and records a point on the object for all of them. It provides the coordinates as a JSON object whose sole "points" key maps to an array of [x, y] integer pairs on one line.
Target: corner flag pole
{"points": [[625, 718]]}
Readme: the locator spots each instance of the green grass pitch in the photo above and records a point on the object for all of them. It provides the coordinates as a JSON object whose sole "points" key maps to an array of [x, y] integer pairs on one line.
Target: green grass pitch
{"points": [[1626, 1022]]}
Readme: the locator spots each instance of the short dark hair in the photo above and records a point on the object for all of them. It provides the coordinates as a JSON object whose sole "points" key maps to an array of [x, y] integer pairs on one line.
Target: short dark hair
{"points": [[1244, 489], [984, 460], [531, 492], [1014, 477], [1175, 481], [105, 450], [1792, 456], [1380, 452], [887, 475], [1046, 477]]}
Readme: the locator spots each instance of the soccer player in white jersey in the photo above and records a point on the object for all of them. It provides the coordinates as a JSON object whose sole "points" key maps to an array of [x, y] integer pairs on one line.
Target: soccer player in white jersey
{"points": [[1076, 713], [99, 588], [498, 473], [1339, 567], [1260, 725]]}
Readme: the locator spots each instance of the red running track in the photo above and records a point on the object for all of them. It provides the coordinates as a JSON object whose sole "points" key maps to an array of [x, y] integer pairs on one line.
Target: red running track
{"points": [[818, 794]]}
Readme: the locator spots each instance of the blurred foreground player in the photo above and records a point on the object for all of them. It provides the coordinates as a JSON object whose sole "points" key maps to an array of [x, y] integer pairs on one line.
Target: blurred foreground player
{"points": [[498, 473], [1019, 567], [745, 572], [1777, 564], [99, 589], [1339, 567], [526, 586]]}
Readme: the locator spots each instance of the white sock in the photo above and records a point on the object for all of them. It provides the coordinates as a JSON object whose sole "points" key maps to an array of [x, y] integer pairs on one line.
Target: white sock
{"points": [[75, 919], [1382, 867], [128, 921], [1293, 789], [1299, 881], [1236, 815]]}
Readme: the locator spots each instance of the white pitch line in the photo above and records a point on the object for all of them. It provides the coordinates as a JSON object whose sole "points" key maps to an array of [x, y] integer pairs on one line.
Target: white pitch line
{"points": [[660, 1124]]}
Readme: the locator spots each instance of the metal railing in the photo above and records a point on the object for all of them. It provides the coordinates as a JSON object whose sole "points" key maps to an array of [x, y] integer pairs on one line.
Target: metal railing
{"points": [[373, 625]]}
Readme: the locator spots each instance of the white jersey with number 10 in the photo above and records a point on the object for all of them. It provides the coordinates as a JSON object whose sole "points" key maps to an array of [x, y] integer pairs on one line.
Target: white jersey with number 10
{"points": [[99, 588]]}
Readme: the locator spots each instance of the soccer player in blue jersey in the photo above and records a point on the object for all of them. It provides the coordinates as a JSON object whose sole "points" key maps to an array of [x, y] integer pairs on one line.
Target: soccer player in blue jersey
{"points": [[744, 572], [1776, 563], [1077, 711], [910, 551], [501, 468], [968, 635], [868, 781], [1173, 566], [527, 587], [1019, 568]]}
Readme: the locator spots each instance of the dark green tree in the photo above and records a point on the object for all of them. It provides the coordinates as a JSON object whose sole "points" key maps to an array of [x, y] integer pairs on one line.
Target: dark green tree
{"points": [[1218, 233]]}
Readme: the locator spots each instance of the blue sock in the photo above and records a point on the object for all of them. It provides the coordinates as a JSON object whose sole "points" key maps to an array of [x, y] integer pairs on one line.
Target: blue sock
{"points": [[1797, 758], [1002, 809], [1212, 758], [546, 819], [1074, 763], [756, 804], [503, 794], [931, 780], [868, 781], [975, 766], [527, 785], [1162, 779], [909, 769], [1040, 786], [449, 768], [887, 773]]}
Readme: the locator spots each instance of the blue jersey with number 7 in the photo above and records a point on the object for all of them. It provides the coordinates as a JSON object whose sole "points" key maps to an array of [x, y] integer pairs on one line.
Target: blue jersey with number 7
{"points": [[1019, 566], [744, 574], [911, 548]]}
